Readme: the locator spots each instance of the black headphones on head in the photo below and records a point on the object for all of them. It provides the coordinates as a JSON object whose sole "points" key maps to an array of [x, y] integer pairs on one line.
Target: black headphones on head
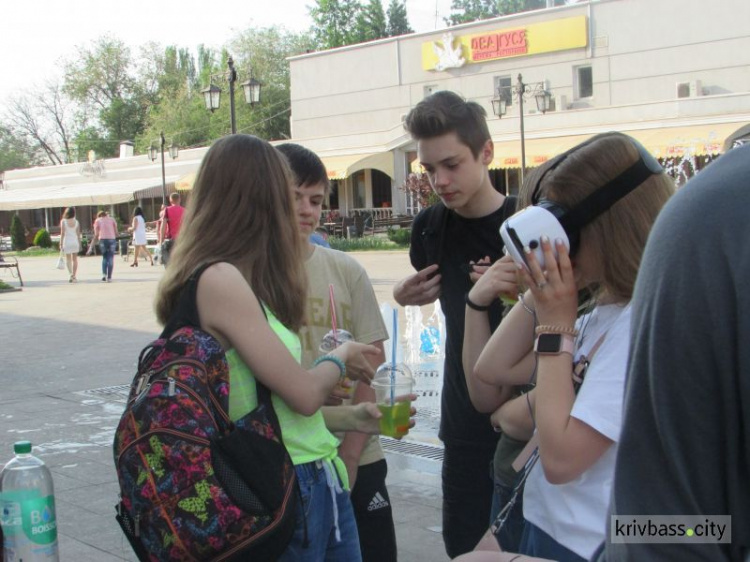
{"points": [[602, 199], [546, 217]]}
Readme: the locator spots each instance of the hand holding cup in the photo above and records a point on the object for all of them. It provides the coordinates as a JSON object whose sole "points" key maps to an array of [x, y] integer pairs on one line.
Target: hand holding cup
{"points": [[394, 387]]}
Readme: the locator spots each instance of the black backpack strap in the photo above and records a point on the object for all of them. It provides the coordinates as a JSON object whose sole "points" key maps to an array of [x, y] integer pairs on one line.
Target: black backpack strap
{"points": [[509, 208], [186, 311], [264, 394], [433, 234]]}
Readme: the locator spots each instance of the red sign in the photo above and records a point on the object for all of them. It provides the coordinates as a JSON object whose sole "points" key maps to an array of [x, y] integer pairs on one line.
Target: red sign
{"points": [[498, 45]]}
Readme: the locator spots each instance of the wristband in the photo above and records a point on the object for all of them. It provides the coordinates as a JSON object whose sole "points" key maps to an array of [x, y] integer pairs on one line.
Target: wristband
{"points": [[547, 329], [475, 306], [335, 360]]}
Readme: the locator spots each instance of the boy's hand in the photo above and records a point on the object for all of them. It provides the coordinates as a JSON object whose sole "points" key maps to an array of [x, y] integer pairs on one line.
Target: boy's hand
{"points": [[420, 288]]}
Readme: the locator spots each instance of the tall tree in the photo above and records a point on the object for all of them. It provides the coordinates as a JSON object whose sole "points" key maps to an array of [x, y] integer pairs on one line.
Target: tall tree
{"points": [[473, 10], [28, 119], [398, 22], [15, 151], [371, 22], [265, 51], [335, 22], [102, 80]]}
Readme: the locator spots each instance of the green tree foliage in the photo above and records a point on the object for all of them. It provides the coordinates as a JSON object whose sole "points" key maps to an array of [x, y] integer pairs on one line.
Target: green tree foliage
{"points": [[17, 233], [335, 22], [15, 151], [180, 110], [266, 51], [464, 11], [102, 80], [371, 22], [398, 22]]}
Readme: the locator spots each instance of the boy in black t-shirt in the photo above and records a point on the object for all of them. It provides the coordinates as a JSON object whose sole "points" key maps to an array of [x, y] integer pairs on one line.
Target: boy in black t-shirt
{"points": [[448, 239]]}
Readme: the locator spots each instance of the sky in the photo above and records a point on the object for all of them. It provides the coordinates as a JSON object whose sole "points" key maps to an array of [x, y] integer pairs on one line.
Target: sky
{"points": [[37, 35]]}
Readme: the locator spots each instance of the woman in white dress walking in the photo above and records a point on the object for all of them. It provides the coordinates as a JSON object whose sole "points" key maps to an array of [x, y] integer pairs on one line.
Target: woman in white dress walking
{"points": [[138, 228], [70, 241]]}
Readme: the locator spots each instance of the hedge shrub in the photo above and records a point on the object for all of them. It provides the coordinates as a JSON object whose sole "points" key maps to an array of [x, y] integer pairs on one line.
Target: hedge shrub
{"points": [[42, 238], [17, 234], [400, 236]]}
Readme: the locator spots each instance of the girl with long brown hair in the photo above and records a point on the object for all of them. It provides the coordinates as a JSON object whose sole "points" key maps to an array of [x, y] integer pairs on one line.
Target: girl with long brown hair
{"points": [[240, 223]]}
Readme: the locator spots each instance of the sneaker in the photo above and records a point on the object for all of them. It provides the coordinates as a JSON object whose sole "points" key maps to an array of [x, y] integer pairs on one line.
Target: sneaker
{"points": [[104, 278], [109, 280], [71, 279]]}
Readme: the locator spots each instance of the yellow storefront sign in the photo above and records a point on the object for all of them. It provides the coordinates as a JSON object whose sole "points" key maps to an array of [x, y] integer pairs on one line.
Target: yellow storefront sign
{"points": [[533, 39]]}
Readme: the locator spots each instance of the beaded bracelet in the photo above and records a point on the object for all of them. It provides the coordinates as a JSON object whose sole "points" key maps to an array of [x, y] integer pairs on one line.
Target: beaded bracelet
{"points": [[548, 329], [335, 360]]}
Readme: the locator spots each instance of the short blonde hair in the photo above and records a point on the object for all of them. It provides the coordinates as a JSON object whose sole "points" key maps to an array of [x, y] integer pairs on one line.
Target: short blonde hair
{"points": [[618, 236]]}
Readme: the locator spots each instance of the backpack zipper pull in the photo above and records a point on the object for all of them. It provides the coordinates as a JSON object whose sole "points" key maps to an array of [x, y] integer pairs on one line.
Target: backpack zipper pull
{"points": [[170, 391], [137, 526]]}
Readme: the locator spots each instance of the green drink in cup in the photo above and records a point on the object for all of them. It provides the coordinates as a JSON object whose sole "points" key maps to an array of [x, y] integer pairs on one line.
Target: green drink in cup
{"points": [[393, 385]]}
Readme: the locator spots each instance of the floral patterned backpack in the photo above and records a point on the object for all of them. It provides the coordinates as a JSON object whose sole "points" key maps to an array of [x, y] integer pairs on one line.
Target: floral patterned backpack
{"points": [[193, 484]]}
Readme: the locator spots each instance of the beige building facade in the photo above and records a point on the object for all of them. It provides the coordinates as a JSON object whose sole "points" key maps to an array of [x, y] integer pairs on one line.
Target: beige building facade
{"points": [[674, 74]]}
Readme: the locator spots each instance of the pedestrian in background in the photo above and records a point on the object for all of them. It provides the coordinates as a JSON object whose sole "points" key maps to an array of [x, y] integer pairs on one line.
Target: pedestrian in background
{"points": [[105, 232], [70, 241], [170, 226], [138, 229]]}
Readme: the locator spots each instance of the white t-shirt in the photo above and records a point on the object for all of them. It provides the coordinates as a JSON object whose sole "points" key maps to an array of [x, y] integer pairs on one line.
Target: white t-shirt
{"points": [[574, 514]]}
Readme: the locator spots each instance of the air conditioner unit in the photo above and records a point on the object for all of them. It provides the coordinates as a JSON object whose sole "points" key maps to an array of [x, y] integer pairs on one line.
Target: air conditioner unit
{"points": [[689, 89]]}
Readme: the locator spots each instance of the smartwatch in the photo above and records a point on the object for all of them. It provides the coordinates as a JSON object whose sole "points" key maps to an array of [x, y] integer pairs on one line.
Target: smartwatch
{"points": [[554, 344]]}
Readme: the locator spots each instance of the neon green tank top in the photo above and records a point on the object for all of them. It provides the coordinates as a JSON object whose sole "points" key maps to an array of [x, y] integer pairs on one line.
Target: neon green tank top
{"points": [[306, 437]]}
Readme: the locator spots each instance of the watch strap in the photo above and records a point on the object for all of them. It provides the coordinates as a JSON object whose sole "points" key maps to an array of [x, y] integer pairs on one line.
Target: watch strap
{"points": [[567, 344]]}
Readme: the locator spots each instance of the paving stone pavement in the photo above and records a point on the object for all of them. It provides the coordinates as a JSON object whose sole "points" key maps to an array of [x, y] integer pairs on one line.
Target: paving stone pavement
{"points": [[67, 353]]}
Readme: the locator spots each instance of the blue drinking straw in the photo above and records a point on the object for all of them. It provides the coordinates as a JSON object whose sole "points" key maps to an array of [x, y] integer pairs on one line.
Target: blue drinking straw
{"points": [[393, 356]]}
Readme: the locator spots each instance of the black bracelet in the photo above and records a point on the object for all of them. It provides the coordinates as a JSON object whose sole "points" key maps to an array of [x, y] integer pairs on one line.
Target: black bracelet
{"points": [[475, 306]]}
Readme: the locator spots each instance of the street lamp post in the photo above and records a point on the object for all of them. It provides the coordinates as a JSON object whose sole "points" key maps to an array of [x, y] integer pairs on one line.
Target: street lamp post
{"points": [[212, 94], [173, 153], [522, 91]]}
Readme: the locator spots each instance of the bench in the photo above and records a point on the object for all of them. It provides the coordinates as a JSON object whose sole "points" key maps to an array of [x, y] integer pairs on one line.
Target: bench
{"points": [[383, 224], [9, 266]]}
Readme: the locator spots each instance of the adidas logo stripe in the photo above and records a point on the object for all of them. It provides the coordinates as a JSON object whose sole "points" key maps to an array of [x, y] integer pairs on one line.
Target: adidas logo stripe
{"points": [[377, 502]]}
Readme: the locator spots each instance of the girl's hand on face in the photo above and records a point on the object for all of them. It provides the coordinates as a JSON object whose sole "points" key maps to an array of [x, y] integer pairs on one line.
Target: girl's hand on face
{"points": [[498, 280], [555, 290]]}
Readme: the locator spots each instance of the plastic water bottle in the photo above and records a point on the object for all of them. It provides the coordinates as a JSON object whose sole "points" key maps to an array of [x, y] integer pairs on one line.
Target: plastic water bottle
{"points": [[27, 509]]}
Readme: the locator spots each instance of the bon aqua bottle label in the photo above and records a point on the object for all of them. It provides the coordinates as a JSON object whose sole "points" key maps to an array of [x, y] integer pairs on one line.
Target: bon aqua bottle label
{"points": [[28, 515]]}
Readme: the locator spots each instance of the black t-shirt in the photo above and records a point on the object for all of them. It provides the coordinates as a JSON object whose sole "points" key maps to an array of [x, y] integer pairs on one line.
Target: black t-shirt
{"points": [[685, 443], [464, 240]]}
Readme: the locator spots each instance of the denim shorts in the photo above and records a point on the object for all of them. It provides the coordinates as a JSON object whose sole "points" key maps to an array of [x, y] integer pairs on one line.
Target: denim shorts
{"points": [[325, 529]]}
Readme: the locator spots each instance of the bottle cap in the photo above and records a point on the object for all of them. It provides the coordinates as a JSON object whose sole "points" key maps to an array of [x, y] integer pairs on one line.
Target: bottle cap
{"points": [[22, 447]]}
